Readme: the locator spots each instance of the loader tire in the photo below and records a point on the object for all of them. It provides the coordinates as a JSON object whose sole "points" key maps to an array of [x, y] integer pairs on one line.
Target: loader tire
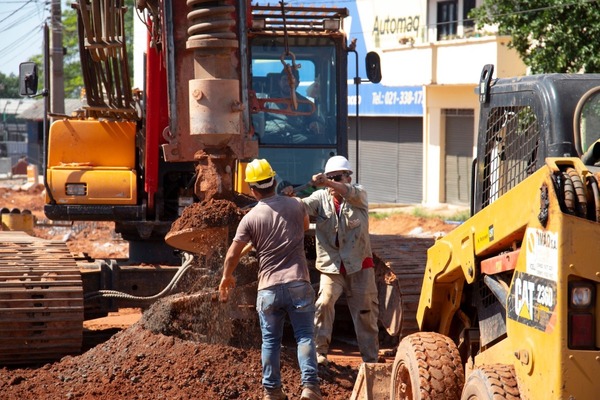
{"points": [[427, 366], [492, 382]]}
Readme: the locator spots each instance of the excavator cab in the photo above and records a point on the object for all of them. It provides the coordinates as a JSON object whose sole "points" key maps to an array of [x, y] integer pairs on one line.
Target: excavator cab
{"points": [[298, 89]]}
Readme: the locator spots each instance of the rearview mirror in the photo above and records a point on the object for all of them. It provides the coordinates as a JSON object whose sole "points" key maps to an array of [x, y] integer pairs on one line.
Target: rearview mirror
{"points": [[373, 67], [28, 79]]}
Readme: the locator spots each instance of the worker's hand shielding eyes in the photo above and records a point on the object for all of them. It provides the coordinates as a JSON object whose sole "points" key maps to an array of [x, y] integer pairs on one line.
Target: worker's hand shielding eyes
{"points": [[225, 287], [288, 191], [320, 179]]}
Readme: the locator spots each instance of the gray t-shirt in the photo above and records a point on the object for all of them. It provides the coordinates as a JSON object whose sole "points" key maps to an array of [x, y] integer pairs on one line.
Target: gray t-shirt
{"points": [[275, 226]]}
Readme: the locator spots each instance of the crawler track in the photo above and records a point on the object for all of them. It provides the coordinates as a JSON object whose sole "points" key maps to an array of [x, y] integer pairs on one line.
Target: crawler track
{"points": [[41, 300]]}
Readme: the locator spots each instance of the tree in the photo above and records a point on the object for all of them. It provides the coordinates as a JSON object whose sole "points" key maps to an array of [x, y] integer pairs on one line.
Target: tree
{"points": [[549, 35], [9, 86], [73, 76]]}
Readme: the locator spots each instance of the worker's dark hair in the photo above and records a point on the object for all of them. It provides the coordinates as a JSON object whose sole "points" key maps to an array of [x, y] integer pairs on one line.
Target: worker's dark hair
{"points": [[266, 191]]}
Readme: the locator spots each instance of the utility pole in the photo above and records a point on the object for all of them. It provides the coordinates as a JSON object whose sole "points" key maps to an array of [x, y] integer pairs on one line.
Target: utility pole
{"points": [[57, 84]]}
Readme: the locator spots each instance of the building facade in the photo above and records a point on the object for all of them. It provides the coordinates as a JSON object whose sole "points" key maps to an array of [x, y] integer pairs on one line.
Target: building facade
{"points": [[14, 139], [417, 128]]}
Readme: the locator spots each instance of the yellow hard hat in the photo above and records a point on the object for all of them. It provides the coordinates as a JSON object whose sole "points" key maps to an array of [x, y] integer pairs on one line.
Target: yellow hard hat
{"points": [[258, 170]]}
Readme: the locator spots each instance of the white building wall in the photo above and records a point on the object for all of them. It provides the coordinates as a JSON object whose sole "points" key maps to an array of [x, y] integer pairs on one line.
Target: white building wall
{"points": [[140, 42], [404, 34], [439, 98]]}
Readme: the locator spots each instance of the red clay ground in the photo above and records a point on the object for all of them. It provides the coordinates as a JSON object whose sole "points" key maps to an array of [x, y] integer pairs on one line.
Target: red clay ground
{"points": [[139, 363]]}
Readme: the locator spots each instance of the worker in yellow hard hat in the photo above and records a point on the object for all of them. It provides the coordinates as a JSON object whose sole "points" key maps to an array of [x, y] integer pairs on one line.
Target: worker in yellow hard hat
{"points": [[275, 227], [259, 174]]}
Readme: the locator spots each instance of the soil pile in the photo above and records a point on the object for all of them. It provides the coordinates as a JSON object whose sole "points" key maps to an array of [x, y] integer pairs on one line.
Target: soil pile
{"points": [[207, 227], [172, 353], [184, 347], [211, 213], [139, 364]]}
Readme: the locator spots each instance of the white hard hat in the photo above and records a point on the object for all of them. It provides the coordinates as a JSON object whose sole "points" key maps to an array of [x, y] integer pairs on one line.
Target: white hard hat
{"points": [[337, 163]]}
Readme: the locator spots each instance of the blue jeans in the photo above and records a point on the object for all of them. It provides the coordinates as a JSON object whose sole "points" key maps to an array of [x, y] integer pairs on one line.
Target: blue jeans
{"points": [[297, 300]]}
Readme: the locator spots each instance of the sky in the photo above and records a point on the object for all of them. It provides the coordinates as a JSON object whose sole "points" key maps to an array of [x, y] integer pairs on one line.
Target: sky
{"points": [[21, 31], [21, 28]]}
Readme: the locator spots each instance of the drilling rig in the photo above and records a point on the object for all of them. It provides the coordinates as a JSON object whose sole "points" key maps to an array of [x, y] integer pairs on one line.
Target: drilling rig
{"points": [[138, 156]]}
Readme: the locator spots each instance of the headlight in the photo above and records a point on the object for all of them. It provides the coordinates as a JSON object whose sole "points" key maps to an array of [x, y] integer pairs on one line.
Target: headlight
{"points": [[76, 189], [582, 314], [331, 24], [581, 296]]}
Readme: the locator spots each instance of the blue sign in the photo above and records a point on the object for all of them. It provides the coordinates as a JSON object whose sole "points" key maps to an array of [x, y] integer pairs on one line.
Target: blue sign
{"points": [[373, 99], [380, 100]]}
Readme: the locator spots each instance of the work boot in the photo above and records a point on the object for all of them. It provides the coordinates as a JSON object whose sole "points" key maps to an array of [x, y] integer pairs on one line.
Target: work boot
{"points": [[311, 392], [275, 394], [322, 359]]}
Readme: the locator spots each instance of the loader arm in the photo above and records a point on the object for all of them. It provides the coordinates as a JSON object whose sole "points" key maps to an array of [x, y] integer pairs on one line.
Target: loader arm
{"points": [[454, 260]]}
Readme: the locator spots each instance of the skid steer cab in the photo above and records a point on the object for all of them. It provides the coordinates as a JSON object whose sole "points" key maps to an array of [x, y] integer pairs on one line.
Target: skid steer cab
{"points": [[509, 305]]}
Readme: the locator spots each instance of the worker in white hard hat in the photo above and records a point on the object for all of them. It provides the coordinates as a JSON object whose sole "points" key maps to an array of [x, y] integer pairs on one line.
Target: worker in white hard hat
{"points": [[275, 227], [344, 258]]}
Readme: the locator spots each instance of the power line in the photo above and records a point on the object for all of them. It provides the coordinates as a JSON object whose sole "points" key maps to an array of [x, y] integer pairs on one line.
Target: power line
{"points": [[531, 10], [22, 15], [20, 32], [21, 41], [16, 11]]}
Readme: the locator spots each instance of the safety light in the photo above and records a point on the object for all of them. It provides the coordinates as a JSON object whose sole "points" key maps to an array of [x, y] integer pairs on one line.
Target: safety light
{"points": [[331, 24], [581, 296], [76, 189], [582, 331], [582, 315]]}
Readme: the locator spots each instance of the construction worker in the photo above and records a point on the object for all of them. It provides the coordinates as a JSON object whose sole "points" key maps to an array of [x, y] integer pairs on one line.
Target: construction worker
{"points": [[344, 257], [275, 227], [289, 128]]}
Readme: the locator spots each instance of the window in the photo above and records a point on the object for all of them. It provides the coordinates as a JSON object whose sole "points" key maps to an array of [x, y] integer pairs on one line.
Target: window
{"points": [[313, 121], [297, 141], [468, 24], [446, 19]]}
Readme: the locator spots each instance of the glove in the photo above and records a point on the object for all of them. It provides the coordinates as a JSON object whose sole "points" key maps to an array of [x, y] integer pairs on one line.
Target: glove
{"points": [[227, 283]]}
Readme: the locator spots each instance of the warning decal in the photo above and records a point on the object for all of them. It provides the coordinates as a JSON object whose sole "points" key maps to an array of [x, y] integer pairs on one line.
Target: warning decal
{"points": [[542, 253], [532, 300]]}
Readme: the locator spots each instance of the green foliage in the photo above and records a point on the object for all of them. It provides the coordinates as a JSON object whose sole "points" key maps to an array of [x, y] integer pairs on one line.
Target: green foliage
{"points": [[379, 215], [73, 77], [9, 86], [549, 35], [460, 216], [421, 212]]}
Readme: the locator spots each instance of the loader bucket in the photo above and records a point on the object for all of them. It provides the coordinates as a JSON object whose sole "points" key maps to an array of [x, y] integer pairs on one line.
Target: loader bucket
{"points": [[203, 240], [372, 382]]}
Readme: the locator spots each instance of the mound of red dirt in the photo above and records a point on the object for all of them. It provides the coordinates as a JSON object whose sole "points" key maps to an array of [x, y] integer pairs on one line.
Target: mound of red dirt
{"points": [[172, 358], [139, 364]]}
